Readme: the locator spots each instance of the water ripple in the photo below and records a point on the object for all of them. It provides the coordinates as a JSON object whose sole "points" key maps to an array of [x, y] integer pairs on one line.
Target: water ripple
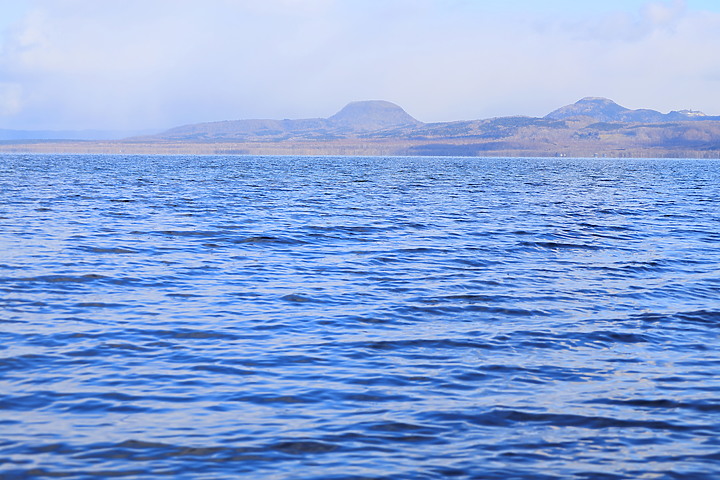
{"points": [[342, 318]]}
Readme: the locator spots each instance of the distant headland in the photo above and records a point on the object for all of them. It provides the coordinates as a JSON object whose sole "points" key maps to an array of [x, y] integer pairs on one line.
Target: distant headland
{"points": [[592, 126]]}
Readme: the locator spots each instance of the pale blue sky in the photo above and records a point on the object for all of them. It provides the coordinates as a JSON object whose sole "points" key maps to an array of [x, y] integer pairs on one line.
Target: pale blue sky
{"points": [[588, 7], [127, 64]]}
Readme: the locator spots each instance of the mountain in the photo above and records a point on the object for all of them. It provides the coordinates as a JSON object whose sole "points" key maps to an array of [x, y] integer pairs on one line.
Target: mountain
{"points": [[605, 110], [371, 115], [590, 127], [381, 119], [355, 118], [598, 108]]}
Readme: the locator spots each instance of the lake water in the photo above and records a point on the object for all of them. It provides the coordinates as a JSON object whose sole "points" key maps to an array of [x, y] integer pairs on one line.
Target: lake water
{"points": [[214, 317]]}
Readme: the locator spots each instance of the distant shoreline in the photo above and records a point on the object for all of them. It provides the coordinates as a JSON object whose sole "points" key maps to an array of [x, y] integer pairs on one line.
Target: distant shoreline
{"points": [[343, 148]]}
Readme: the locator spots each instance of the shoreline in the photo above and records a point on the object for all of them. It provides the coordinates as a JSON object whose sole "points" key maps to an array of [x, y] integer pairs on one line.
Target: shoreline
{"points": [[346, 148]]}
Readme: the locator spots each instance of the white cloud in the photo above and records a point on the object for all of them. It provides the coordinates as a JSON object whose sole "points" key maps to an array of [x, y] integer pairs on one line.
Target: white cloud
{"points": [[159, 63], [624, 26], [10, 99], [662, 13]]}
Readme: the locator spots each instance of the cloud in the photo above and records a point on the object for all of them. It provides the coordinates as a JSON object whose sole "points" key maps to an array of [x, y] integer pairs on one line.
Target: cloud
{"points": [[10, 99], [160, 63], [662, 13], [629, 26]]}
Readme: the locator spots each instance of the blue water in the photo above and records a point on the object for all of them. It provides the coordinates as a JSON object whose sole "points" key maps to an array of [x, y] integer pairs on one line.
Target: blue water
{"points": [[343, 318]]}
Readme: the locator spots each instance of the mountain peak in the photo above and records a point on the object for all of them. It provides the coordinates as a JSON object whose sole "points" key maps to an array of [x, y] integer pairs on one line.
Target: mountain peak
{"points": [[372, 115], [600, 108], [595, 100], [605, 110]]}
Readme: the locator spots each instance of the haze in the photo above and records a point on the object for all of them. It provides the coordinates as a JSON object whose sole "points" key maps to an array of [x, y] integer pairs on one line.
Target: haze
{"points": [[154, 64]]}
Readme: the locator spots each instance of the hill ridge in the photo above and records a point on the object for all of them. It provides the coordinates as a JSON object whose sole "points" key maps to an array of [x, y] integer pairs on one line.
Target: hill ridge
{"points": [[592, 126], [381, 117], [606, 110]]}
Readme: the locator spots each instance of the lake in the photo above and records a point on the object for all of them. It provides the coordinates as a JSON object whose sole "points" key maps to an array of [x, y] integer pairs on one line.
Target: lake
{"points": [[214, 317]]}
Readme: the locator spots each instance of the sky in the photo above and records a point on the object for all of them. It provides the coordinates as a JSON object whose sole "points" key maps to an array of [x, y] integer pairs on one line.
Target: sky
{"points": [[155, 64]]}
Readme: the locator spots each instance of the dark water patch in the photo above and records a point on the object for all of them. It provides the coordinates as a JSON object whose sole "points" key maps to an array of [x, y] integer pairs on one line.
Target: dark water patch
{"points": [[706, 318], [474, 303], [188, 233], [661, 404], [559, 245], [9, 267], [183, 295], [294, 298], [51, 279], [109, 250], [420, 344], [505, 418], [98, 305], [223, 370], [265, 239]]}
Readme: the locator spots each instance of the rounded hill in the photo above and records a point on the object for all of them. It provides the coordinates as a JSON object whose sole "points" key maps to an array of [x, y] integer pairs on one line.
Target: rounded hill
{"points": [[372, 115], [606, 110]]}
